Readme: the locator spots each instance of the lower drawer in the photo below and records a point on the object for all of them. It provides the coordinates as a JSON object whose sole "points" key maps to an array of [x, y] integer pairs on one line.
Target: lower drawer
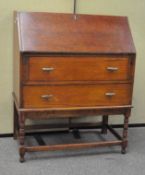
{"points": [[76, 95]]}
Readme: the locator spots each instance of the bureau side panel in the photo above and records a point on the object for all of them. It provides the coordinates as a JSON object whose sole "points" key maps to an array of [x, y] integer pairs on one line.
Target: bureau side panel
{"points": [[132, 71], [16, 61]]}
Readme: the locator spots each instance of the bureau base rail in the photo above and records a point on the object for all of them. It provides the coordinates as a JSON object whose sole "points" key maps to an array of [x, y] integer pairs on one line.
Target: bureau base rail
{"points": [[24, 149], [71, 146]]}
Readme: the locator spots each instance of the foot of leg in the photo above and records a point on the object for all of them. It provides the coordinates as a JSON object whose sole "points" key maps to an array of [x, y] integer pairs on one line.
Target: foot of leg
{"points": [[22, 154], [123, 151]]}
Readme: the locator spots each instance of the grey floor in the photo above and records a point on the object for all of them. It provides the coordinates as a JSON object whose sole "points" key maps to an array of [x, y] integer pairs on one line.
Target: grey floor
{"points": [[101, 161]]}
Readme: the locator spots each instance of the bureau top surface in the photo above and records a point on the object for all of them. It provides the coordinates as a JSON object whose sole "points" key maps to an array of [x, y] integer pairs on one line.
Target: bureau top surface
{"points": [[62, 33]]}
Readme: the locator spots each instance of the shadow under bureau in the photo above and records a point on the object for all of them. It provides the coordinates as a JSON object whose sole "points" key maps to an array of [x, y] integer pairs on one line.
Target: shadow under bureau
{"points": [[66, 67]]}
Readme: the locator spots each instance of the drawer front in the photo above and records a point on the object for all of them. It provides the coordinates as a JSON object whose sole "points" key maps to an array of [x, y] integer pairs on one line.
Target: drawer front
{"points": [[76, 96], [77, 68]]}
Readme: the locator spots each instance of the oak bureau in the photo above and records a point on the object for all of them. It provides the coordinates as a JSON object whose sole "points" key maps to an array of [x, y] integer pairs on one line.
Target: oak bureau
{"points": [[66, 67]]}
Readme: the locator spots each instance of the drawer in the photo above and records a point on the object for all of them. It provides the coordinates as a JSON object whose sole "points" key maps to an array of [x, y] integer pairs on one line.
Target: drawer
{"points": [[77, 68], [76, 96]]}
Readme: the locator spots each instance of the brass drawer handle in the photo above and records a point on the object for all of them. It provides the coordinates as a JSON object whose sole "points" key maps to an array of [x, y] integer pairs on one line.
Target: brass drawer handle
{"points": [[112, 69], [110, 94], [47, 69], [46, 97]]}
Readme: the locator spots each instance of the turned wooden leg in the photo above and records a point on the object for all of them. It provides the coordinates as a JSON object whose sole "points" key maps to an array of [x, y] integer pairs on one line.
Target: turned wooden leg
{"points": [[125, 132], [15, 122], [21, 136], [104, 123], [22, 154]]}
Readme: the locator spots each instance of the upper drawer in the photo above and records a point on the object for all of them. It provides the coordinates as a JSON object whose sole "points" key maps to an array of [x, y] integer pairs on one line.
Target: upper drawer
{"points": [[73, 68]]}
